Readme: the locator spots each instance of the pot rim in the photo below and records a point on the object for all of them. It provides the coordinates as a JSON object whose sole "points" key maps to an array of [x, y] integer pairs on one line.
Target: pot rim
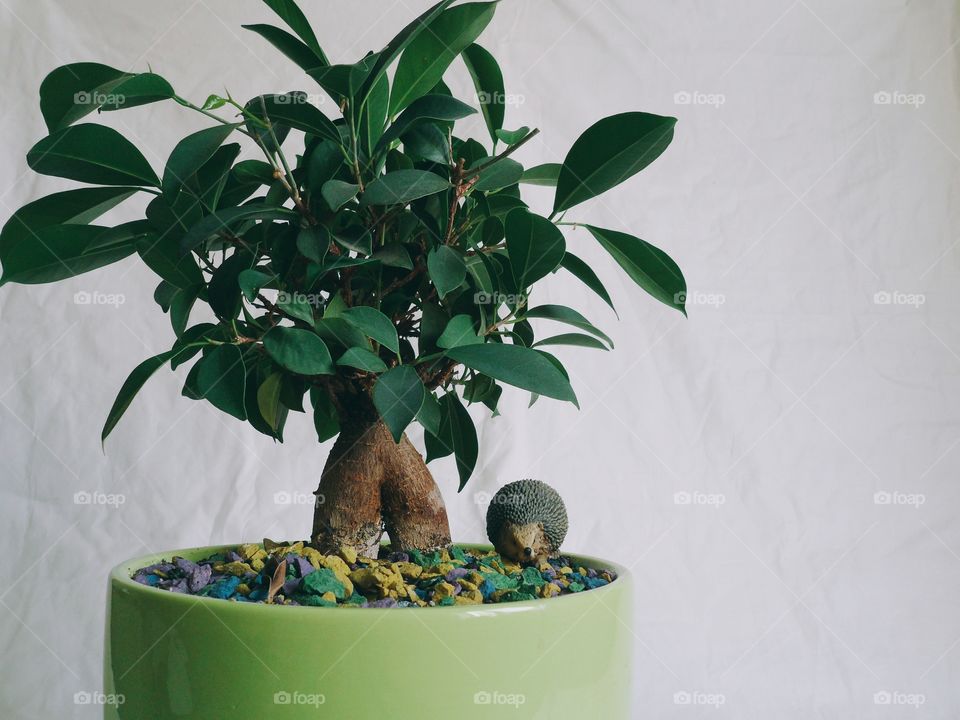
{"points": [[122, 575]]}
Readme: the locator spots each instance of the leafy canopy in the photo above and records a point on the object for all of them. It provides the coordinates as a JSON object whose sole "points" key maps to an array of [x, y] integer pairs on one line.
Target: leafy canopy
{"points": [[375, 257]]}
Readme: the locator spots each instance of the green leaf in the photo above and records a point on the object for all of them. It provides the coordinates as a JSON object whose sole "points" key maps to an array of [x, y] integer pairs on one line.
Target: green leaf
{"points": [[546, 175], [299, 351], [294, 110], [403, 187], [181, 307], [518, 366], [164, 258], [612, 151], [587, 276], [362, 359], [503, 173], [73, 207], [535, 246], [268, 400], [568, 316], [375, 325], [131, 386], [428, 109], [394, 255], [293, 16], [430, 415], [373, 119], [398, 396], [648, 266], [488, 80], [251, 281], [338, 193], [314, 243], [223, 291], [573, 339], [425, 61], [325, 420], [396, 46], [222, 220], [71, 92], [512, 137], [296, 305], [288, 45], [459, 331], [93, 154], [457, 435], [58, 252], [191, 154], [221, 379], [447, 269]]}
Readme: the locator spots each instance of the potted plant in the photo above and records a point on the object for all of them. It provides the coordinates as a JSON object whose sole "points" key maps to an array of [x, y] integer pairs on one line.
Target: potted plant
{"points": [[382, 269]]}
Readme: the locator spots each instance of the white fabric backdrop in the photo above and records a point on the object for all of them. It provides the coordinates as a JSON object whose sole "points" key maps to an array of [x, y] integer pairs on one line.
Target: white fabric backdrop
{"points": [[733, 459]]}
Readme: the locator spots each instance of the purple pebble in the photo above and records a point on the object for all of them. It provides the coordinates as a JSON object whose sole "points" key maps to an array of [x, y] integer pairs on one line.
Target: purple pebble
{"points": [[179, 586], [185, 566], [232, 556], [456, 574], [303, 565], [457, 589], [591, 573], [290, 587], [199, 578]]}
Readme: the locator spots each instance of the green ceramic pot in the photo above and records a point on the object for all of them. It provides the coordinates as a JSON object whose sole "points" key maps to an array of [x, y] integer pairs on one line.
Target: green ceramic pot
{"points": [[175, 656]]}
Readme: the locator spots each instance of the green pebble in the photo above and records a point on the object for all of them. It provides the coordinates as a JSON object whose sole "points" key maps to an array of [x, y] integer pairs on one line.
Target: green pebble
{"points": [[458, 554], [314, 601], [516, 597], [446, 601], [323, 580], [576, 587], [502, 582], [532, 576]]}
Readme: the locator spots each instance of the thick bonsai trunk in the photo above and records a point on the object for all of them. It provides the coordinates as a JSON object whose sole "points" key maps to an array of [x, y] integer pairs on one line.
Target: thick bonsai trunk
{"points": [[370, 484]]}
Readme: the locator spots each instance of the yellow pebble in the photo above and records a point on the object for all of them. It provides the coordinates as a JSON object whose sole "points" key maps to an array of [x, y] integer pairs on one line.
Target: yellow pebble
{"points": [[409, 570], [313, 556], [237, 568], [466, 584], [348, 554], [549, 590], [470, 597], [329, 597], [243, 589], [442, 591], [475, 577], [444, 568], [565, 570]]}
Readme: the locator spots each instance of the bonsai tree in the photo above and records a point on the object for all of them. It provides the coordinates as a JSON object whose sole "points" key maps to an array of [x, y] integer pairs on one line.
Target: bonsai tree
{"points": [[381, 266]]}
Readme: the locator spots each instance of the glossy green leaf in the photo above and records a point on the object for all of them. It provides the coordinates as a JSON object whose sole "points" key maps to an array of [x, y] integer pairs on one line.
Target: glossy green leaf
{"points": [[268, 400], [503, 173], [191, 154], [512, 137], [398, 396], [535, 246], [457, 436], [546, 175], [587, 276], [325, 420], [251, 282], [297, 306], [299, 351], [373, 119], [293, 16], [223, 220], [429, 415], [338, 193], [181, 307], [132, 385], [425, 61], [223, 290], [403, 187], [221, 379], [518, 366], [459, 331], [287, 44], [488, 80], [648, 266], [164, 258], [362, 359], [568, 316], [573, 339], [375, 325], [73, 91], [428, 109], [314, 243], [447, 270], [612, 151], [93, 154], [294, 110]]}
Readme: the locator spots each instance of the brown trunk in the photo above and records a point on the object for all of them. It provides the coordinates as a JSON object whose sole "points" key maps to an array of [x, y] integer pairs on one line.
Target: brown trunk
{"points": [[370, 484]]}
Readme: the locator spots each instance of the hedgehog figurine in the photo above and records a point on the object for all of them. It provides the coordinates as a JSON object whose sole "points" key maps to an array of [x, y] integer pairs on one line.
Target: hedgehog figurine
{"points": [[527, 522]]}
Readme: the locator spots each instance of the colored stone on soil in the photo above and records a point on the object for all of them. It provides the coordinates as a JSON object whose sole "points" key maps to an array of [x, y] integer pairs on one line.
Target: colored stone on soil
{"points": [[322, 581]]}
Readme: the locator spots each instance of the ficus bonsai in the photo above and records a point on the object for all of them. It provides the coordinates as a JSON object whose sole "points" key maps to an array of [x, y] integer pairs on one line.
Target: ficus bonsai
{"points": [[383, 266]]}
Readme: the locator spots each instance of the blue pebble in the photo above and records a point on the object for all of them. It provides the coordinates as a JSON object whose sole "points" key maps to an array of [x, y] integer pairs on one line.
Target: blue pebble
{"points": [[594, 582], [487, 589], [223, 589]]}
